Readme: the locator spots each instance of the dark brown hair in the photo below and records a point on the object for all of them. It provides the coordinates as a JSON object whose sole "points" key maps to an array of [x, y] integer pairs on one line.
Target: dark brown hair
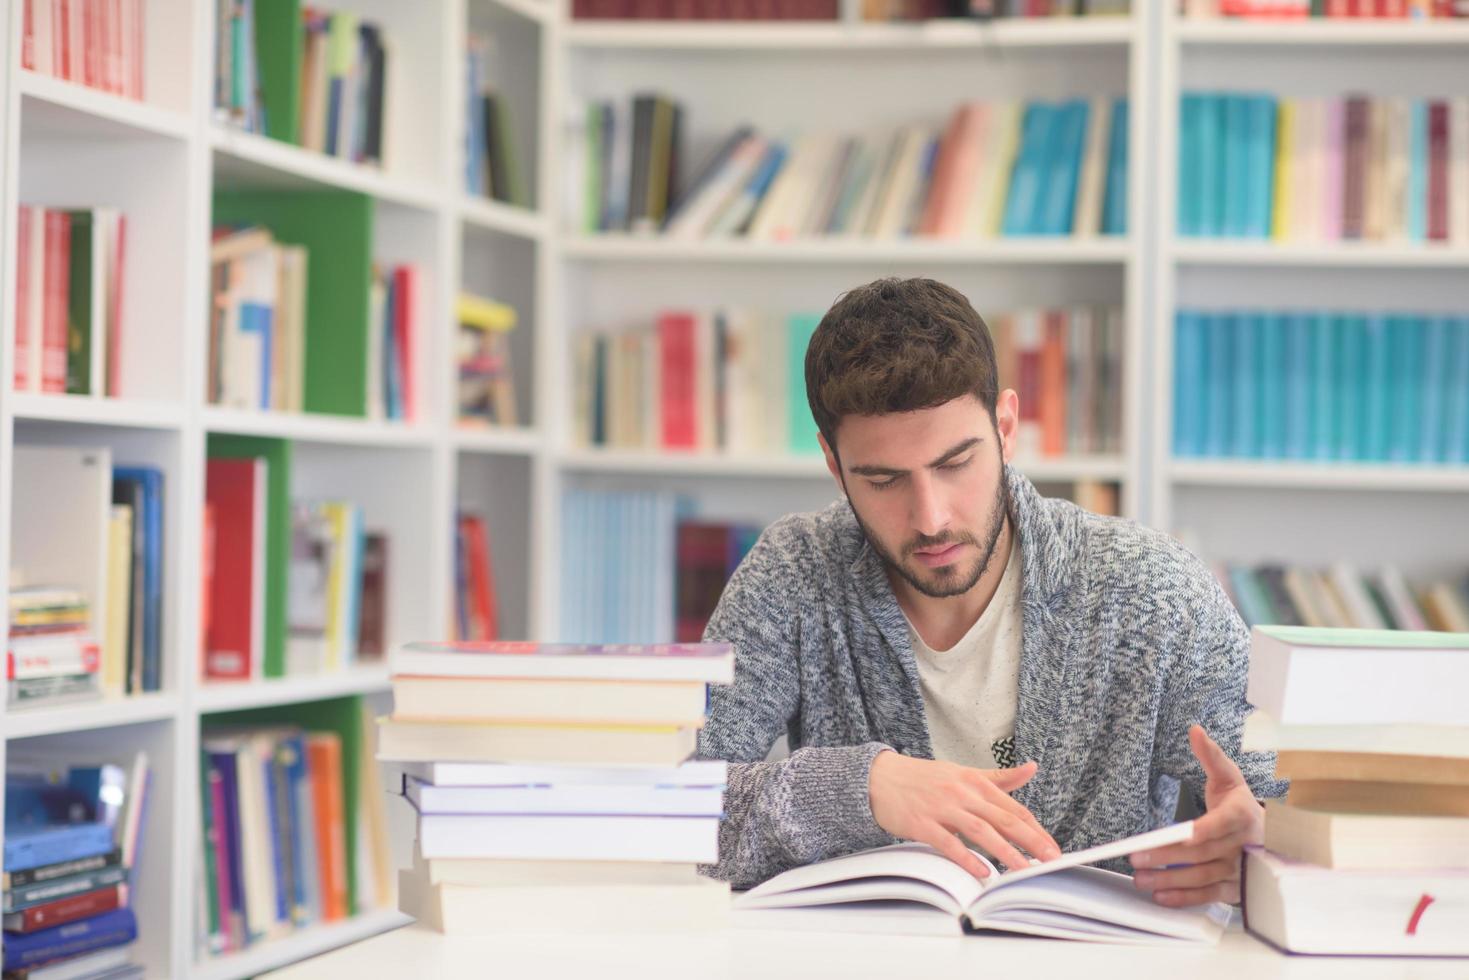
{"points": [[897, 345]]}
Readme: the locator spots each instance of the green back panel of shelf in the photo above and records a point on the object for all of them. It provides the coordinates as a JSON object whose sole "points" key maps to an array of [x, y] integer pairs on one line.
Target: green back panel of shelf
{"points": [[277, 453], [799, 329], [279, 38], [340, 715], [336, 228]]}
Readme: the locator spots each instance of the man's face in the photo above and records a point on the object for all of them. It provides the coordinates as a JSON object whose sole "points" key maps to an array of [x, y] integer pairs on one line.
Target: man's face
{"points": [[928, 489]]}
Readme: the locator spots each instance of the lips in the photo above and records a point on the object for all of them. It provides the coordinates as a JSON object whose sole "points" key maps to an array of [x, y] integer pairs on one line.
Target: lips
{"points": [[937, 558]]}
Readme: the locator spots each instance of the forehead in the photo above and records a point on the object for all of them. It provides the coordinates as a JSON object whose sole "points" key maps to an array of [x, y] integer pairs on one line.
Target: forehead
{"points": [[911, 438]]}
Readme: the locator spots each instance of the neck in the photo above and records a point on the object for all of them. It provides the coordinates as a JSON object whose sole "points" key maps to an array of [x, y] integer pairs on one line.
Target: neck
{"points": [[941, 623]]}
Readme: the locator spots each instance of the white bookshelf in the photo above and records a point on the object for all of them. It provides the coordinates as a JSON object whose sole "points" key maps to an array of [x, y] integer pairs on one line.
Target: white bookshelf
{"points": [[1296, 511]]}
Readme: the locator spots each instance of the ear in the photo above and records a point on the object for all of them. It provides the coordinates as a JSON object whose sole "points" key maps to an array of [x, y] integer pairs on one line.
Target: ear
{"points": [[832, 466], [1007, 422]]}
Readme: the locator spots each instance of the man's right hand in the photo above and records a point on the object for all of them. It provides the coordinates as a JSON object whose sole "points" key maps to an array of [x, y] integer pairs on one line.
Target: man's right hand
{"points": [[931, 802]]}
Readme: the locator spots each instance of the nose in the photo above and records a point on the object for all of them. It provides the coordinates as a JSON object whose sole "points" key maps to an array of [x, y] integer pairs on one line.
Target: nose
{"points": [[930, 511]]}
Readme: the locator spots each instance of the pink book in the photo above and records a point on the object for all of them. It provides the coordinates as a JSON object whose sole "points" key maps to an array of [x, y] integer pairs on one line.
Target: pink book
{"points": [[56, 282], [967, 158], [1334, 165], [223, 884], [24, 329], [678, 377]]}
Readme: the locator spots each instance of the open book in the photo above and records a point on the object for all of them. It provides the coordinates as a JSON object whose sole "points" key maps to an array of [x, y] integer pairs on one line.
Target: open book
{"points": [[911, 888]]}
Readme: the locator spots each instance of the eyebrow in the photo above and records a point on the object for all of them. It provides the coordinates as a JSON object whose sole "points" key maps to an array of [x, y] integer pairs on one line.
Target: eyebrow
{"points": [[957, 450]]}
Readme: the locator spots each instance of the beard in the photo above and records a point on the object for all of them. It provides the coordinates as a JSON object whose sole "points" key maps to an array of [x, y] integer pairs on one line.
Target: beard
{"points": [[946, 581]]}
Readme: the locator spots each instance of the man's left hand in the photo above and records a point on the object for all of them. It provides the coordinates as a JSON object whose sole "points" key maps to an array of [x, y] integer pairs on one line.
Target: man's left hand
{"points": [[1207, 867]]}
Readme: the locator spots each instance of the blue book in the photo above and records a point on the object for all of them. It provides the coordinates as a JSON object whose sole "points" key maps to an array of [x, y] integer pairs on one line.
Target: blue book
{"points": [[1297, 386], [1328, 333], [1025, 180], [1351, 401], [1190, 191], [1260, 188], [226, 763], [333, 113], [1416, 220], [474, 137], [1406, 395], [150, 482], [357, 544], [280, 871], [1234, 211], [1187, 362], [1245, 398], [1456, 415], [1114, 202], [114, 928], [1058, 195], [1434, 377], [1273, 338], [306, 892], [392, 357], [1377, 389], [1219, 417], [36, 847], [1211, 164]]}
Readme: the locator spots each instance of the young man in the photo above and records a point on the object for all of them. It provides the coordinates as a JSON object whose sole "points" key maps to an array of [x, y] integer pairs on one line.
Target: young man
{"points": [[952, 654]]}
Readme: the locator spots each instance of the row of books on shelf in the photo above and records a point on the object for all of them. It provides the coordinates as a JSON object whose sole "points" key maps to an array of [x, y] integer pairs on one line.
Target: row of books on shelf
{"points": [[73, 836], [294, 830], [261, 339], [86, 599], [290, 587], [704, 9], [983, 10], [476, 600], [1374, 831], [1001, 168], [1332, 9], [492, 152], [68, 300], [324, 87], [97, 43], [1322, 386], [1336, 169], [486, 372], [1345, 597], [533, 772]]}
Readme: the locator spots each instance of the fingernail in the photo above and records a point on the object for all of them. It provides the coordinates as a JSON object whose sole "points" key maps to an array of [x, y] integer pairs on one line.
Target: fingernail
{"points": [[1141, 859], [1142, 880]]}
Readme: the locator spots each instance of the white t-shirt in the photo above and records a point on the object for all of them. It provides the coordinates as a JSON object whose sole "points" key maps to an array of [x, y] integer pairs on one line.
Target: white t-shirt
{"points": [[971, 690]]}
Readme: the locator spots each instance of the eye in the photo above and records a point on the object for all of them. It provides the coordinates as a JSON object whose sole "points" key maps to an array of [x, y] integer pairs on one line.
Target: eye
{"points": [[957, 464], [887, 484]]}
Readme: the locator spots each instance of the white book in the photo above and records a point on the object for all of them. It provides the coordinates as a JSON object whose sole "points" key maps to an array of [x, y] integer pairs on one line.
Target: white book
{"points": [[36, 288], [722, 190], [896, 206], [1399, 153], [574, 197], [1303, 908], [1405, 611], [570, 838], [1087, 219], [1262, 733], [1305, 676], [631, 800], [1002, 144], [377, 301], [87, 965], [1348, 582], [291, 333], [510, 873], [770, 210], [410, 741], [1310, 143], [698, 773], [549, 699], [712, 663], [884, 149], [911, 887]]}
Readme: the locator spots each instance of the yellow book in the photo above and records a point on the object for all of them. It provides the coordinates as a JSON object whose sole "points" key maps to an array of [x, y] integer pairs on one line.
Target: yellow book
{"points": [[335, 622], [1285, 163], [1006, 145], [485, 314], [119, 587]]}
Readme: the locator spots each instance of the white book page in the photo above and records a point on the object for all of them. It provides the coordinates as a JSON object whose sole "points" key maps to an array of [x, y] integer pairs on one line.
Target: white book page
{"points": [[1172, 834], [878, 868]]}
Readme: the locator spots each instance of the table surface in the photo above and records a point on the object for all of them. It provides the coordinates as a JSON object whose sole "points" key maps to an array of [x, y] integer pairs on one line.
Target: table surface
{"points": [[751, 954]]}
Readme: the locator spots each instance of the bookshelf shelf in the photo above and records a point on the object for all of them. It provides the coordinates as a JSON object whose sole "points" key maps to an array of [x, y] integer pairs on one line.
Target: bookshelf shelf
{"points": [[307, 427], [92, 410], [1328, 255], [538, 11], [53, 107], [1003, 251], [1324, 33], [497, 216], [249, 160], [225, 696], [1399, 477], [508, 442], [300, 946], [838, 36], [30, 722], [1058, 469]]}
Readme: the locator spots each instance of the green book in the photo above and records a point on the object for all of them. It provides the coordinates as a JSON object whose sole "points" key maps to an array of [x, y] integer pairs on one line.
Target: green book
{"points": [[279, 41], [211, 871], [592, 191], [79, 301], [277, 453], [336, 229], [803, 430]]}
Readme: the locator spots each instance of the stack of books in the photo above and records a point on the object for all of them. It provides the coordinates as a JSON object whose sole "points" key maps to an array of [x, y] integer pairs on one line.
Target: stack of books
{"points": [[552, 777], [51, 654], [71, 846], [99, 45], [1369, 853], [486, 383]]}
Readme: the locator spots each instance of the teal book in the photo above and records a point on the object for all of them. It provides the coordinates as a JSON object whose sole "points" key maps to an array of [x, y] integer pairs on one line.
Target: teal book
{"points": [[1068, 142], [1234, 210], [1437, 338], [1325, 353], [1351, 402], [1416, 220], [1260, 186], [1297, 386], [1405, 390], [1272, 386], [1190, 184], [1211, 164], [1245, 399], [803, 431], [1249, 596], [1218, 385], [1377, 388], [1187, 392], [1114, 202], [1025, 181], [1456, 415]]}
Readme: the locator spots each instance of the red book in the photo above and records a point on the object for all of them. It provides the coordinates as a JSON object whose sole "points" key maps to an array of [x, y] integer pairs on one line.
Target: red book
{"points": [[678, 378], [28, 35], [1438, 171], [57, 286], [136, 53], [64, 910], [701, 555], [23, 326], [1053, 385], [482, 579], [235, 491], [91, 48], [405, 288], [1338, 8]]}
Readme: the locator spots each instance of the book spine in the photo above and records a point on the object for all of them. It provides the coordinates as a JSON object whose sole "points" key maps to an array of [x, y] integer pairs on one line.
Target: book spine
{"points": [[55, 846], [63, 869], [108, 929], [64, 910], [39, 893]]}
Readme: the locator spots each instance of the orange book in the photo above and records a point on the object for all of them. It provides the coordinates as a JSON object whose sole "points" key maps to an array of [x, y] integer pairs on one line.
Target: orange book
{"points": [[940, 186], [1053, 385], [964, 182], [324, 752]]}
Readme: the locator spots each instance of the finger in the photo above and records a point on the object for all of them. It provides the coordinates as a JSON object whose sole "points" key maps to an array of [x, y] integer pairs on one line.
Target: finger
{"points": [[1193, 876], [944, 841], [1224, 891], [1211, 850], [985, 835], [1015, 827], [1045, 845], [1010, 779], [1219, 768]]}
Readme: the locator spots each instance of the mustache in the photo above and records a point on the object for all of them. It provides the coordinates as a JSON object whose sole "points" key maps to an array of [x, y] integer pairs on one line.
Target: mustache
{"points": [[935, 541]]}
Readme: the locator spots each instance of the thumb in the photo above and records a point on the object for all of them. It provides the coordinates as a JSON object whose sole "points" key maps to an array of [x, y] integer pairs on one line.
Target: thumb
{"points": [[1219, 769], [1015, 777]]}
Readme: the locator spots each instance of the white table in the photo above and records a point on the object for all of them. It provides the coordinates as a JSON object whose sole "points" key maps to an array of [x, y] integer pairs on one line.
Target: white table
{"points": [[747, 954]]}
